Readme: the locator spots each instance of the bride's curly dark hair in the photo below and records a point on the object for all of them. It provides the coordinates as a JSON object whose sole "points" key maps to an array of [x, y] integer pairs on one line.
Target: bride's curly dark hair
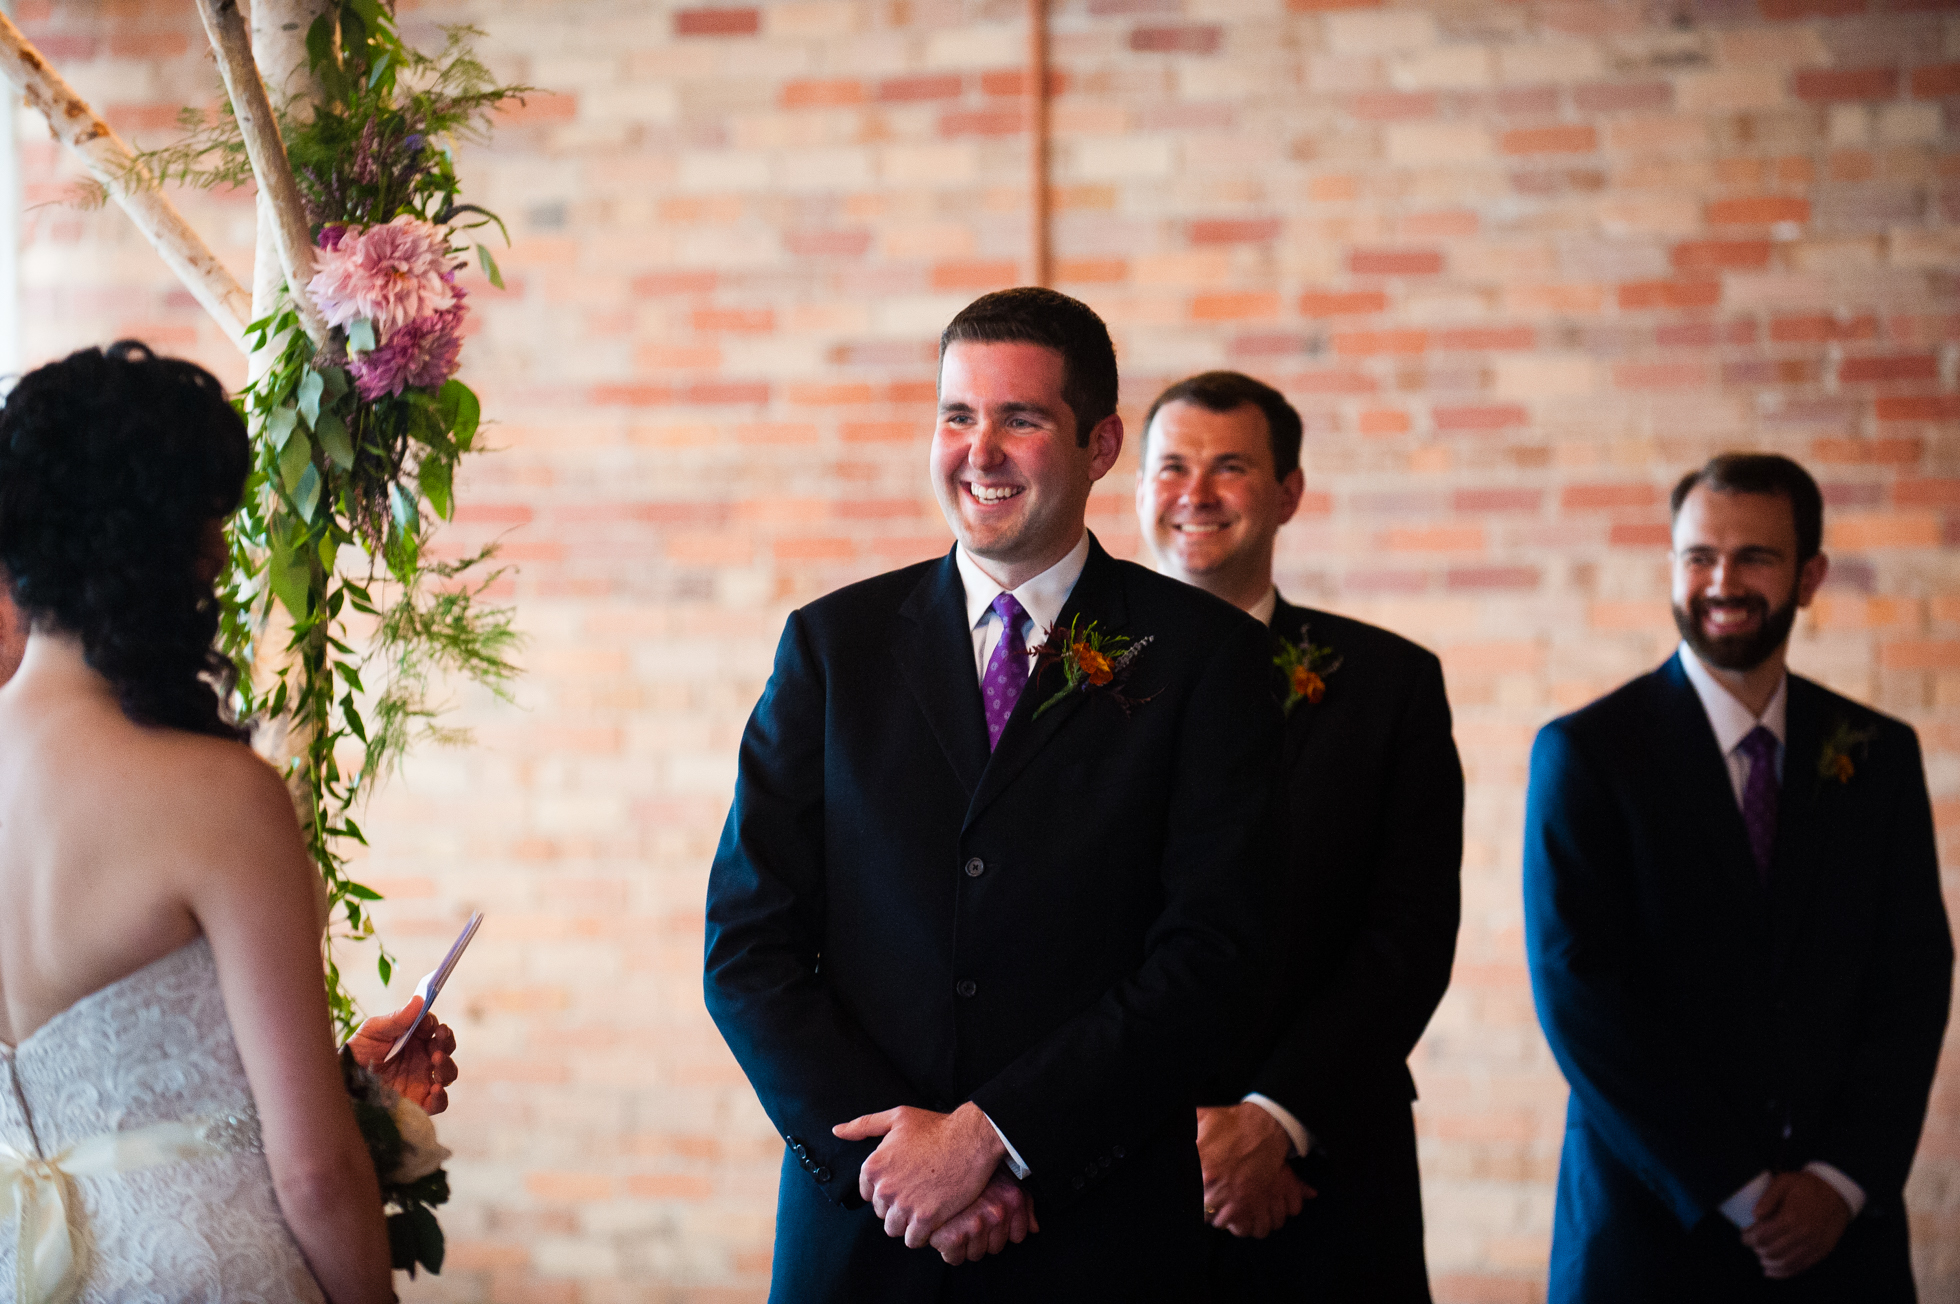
{"points": [[113, 466]]}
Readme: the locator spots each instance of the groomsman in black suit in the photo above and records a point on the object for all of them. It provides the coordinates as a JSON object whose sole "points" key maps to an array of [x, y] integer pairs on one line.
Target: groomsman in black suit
{"points": [[1308, 1144], [1737, 942], [977, 932]]}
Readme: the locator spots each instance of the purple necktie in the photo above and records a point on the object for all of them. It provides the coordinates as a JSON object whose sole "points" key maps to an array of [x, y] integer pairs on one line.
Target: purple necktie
{"points": [[1007, 669], [1759, 797]]}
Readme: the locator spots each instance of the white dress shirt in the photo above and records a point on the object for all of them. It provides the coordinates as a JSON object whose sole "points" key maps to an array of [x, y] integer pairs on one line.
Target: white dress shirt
{"points": [[1042, 598], [1732, 722]]}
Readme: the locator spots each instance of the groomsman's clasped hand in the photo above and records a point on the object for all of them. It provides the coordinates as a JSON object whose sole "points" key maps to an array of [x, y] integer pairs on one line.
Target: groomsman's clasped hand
{"points": [[936, 1180]]}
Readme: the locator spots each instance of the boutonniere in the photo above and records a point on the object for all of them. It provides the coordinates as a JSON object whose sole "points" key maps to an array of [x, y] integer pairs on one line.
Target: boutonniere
{"points": [[1090, 659], [1834, 761], [1306, 667]]}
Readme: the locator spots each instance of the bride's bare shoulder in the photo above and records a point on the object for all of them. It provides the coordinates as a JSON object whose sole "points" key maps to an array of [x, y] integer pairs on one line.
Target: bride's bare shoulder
{"points": [[223, 787]]}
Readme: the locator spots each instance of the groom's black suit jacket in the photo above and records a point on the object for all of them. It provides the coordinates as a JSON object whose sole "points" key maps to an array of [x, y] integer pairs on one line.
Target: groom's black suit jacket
{"points": [[1712, 1026], [1069, 931]]}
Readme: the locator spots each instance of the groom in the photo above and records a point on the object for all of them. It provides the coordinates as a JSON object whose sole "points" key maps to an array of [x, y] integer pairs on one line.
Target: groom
{"points": [[977, 934]]}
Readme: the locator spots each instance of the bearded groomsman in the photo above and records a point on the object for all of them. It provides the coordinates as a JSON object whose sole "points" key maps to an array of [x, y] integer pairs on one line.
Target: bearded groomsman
{"points": [[1308, 1145], [977, 934], [1737, 941]]}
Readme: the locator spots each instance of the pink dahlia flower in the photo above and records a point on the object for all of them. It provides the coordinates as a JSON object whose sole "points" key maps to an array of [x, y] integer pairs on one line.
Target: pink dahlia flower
{"points": [[391, 275], [422, 353]]}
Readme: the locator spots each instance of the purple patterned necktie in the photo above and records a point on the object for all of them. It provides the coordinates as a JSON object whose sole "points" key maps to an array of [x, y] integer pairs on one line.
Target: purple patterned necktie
{"points": [[1759, 797], [1007, 669]]}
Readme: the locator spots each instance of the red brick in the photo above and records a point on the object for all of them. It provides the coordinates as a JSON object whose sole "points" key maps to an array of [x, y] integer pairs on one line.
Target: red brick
{"points": [[1092, 270], [1600, 497], [817, 244], [1820, 328], [537, 106], [1614, 97], [822, 94], [149, 45], [1772, 371], [1497, 500], [1927, 493], [1014, 81], [1758, 210], [1491, 416], [639, 395], [925, 86], [1639, 534], [1225, 230], [1383, 421], [1550, 140], [1670, 294], [653, 284], [1009, 121], [1393, 106], [1328, 6], [1329, 303], [1936, 81], [1484, 579], [712, 392], [1176, 40], [1237, 305], [1395, 262], [1659, 375], [1362, 344], [1923, 366], [1720, 255], [994, 275], [1928, 407], [742, 320], [1486, 337], [1830, 84], [717, 22], [1704, 334]]}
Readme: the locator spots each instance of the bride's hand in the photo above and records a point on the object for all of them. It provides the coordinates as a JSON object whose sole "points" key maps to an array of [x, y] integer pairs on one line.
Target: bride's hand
{"points": [[424, 1069]]}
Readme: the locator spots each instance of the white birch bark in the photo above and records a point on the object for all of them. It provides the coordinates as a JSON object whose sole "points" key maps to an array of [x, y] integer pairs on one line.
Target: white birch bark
{"points": [[226, 27], [279, 29], [114, 165]]}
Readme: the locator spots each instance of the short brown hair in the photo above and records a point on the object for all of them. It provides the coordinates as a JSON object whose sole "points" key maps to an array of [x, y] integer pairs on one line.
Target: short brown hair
{"points": [[1228, 391], [1762, 473], [1030, 314]]}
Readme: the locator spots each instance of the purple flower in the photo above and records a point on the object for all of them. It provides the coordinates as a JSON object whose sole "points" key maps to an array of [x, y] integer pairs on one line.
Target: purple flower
{"points": [[422, 353]]}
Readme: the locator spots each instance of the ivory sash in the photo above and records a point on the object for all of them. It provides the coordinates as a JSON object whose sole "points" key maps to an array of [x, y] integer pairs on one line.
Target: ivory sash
{"points": [[33, 1191]]}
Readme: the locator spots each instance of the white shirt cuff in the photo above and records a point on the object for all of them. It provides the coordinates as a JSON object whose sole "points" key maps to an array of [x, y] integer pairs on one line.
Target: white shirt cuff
{"points": [[1015, 1164], [1740, 1208], [1852, 1193], [1296, 1132]]}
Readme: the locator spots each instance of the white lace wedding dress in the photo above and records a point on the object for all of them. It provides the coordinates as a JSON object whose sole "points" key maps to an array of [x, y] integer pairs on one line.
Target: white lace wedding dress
{"points": [[128, 1134]]}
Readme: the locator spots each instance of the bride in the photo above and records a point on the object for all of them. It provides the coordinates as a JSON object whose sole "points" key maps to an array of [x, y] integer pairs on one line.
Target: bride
{"points": [[173, 1125]]}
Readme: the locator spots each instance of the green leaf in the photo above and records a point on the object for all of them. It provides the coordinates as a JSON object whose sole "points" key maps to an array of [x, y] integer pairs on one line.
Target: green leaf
{"points": [[307, 496], [336, 382], [310, 388], [489, 261], [386, 968], [380, 67], [363, 892], [434, 480], [360, 336], [354, 832], [295, 459], [352, 717], [350, 674], [334, 439], [403, 505], [279, 425], [461, 412], [290, 578]]}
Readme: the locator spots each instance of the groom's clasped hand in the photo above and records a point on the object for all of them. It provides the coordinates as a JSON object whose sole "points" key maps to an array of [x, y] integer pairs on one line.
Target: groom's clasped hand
{"points": [[938, 1179]]}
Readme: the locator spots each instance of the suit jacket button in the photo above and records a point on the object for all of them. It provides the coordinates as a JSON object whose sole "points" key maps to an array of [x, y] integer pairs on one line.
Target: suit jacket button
{"points": [[822, 1174], [795, 1142], [1104, 1161], [1117, 1151], [966, 987], [1080, 1182], [975, 867]]}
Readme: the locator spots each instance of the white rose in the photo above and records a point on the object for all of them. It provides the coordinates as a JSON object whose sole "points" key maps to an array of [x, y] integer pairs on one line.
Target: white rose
{"points": [[421, 1153]]}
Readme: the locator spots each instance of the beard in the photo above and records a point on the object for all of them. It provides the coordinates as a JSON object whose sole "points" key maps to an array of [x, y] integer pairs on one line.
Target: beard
{"points": [[1743, 651]]}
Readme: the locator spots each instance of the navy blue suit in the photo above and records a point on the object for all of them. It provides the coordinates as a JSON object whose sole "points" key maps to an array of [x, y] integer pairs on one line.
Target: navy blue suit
{"points": [[1069, 931], [1711, 1027]]}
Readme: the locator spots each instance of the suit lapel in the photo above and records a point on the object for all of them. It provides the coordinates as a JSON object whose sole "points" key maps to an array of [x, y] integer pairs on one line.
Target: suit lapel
{"points": [[1097, 596], [1703, 792], [935, 655], [1794, 865]]}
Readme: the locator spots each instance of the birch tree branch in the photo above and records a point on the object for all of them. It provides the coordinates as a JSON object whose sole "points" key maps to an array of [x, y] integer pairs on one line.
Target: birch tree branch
{"points": [[114, 165], [229, 37], [279, 29]]}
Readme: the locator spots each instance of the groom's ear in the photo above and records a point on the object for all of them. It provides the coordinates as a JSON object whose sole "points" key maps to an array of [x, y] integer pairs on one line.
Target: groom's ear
{"points": [[13, 631]]}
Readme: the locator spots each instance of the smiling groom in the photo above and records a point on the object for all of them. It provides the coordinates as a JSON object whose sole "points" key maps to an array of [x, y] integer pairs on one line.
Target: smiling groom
{"points": [[981, 921]]}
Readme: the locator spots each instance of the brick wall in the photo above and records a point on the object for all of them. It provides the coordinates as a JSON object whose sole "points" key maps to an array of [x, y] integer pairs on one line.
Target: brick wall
{"points": [[1519, 264]]}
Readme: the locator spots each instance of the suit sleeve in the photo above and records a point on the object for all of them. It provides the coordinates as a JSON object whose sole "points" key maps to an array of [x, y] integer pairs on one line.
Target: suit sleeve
{"points": [[1872, 1127], [1375, 1008], [1652, 1106], [1129, 1066], [811, 1064]]}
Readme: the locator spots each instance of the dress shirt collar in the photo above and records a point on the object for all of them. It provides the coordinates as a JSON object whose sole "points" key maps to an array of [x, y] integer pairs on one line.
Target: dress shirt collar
{"points": [[1263, 610], [1041, 597], [1728, 717]]}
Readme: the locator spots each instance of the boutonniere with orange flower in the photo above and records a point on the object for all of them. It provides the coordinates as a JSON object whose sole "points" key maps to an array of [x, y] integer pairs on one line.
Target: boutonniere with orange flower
{"points": [[1090, 659], [1305, 666], [1834, 761]]}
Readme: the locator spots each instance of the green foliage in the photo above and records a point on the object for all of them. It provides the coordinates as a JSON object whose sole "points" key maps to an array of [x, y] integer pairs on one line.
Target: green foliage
{"points": [[331, 545]]}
